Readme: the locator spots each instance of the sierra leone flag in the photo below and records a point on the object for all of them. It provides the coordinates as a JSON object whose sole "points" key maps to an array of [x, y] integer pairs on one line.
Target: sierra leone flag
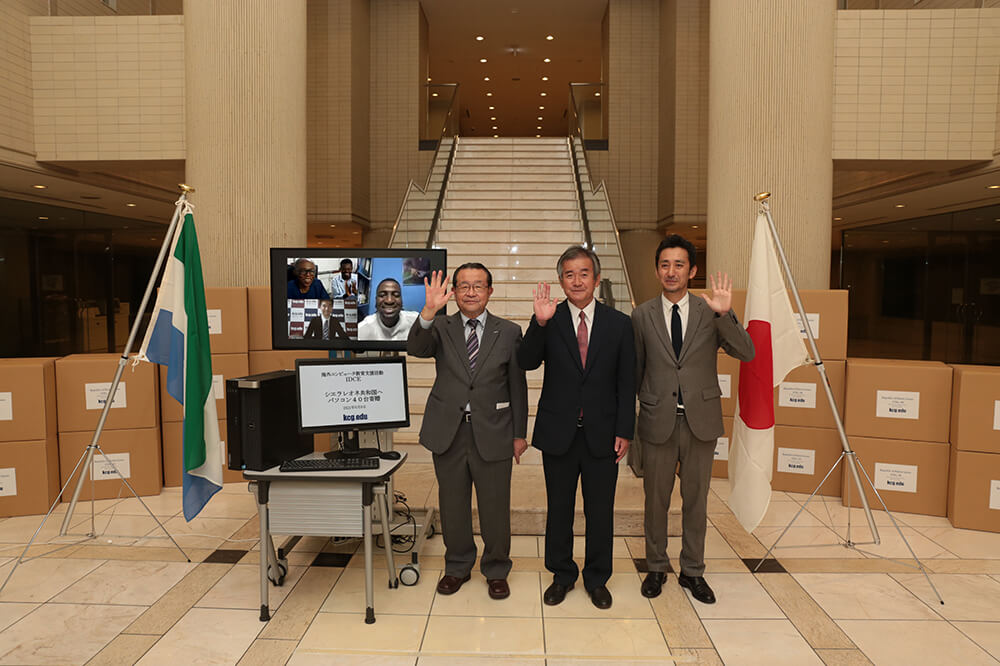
{"points": [[177, 337]]}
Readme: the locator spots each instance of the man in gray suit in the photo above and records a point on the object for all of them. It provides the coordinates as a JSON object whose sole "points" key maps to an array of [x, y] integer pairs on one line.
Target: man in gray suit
{"points": [[475, 421], [677, 339]]}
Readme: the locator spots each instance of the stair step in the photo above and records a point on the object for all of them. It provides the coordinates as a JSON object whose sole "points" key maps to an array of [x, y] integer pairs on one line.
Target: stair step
{"points": [[519, 238], [510, 195], [510, 177], [471, 185], [539, 216]]}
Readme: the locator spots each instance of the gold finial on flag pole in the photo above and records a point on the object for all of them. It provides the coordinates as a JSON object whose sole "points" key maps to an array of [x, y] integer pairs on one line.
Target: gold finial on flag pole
{"points": [[761, 196], [185, 188]]}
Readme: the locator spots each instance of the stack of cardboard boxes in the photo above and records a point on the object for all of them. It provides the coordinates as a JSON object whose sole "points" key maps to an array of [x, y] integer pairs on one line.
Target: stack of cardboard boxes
{"points": [[131, 434], [898, 420], [29, 447], [974, 477], [806, 443], [227, 327]]}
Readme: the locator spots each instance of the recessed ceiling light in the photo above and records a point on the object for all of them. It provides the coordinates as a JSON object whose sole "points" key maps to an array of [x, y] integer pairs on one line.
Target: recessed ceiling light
{"points": [[694, 226], [428, 79], [900, 205], [486, 78], [434, 94], [541, 108], [549, 37], [597, 94], [356, 233], [333, 226], [496, 136], [989, 187], [538, 136], [482, 60], [837, 219], [542, 94], [492, 107], [494, 127], [42, 217], [493, 117], [489, 94], [131, 205], [39, 187], [539, 117], [479, 38], [539, 127], [547, 60], [545, 78]]}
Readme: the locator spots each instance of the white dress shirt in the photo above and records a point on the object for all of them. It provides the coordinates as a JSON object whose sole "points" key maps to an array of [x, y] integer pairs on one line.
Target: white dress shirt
{"points": [[588, 316], [682, 310]]}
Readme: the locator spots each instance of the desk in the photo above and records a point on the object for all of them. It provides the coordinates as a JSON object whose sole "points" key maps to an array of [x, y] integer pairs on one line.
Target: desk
{"points": [[336, 503]]}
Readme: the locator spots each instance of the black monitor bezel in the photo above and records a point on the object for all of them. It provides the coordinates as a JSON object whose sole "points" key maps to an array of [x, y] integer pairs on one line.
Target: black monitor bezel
{"points": [[381, 360], [279, 301]]}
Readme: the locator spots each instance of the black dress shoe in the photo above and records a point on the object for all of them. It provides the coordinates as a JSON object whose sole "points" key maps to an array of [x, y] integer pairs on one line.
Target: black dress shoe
{"points": [[498, 588], [699, 588], [451, 584], [653, 584], [555, 594], [601, 597]]}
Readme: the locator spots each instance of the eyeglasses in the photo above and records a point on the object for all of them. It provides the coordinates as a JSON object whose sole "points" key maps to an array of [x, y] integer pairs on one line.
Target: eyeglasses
{"points": [[465, 288], [306, 271]]}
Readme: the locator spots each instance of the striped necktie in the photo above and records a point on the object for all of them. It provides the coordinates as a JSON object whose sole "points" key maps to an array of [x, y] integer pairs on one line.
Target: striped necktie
{"points": [[472, 343]]}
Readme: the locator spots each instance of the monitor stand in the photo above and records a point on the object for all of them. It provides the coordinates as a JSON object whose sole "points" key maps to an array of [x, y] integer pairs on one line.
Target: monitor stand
{"points": [[350, 448]]}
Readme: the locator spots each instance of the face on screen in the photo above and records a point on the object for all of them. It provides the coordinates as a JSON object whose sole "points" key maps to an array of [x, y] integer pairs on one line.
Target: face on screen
{"points": [[326, 307], [305, 273], [388, 301], [346, 268]]}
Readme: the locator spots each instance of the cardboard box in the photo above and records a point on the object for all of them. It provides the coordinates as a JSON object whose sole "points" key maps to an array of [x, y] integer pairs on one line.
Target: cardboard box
{"points": [[911, 476], [27, 399], [269, 361], [720, 468], [136, 453], [974, 490], [29, 476], [801, 401], [259, 314], [224, 366], [173, 455], [802, 457], [82, 382], [975, 408], [728, 369], [227, 319], [898, 399]]}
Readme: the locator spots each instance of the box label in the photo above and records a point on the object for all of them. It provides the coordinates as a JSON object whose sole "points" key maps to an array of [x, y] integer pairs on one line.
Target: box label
{"points": [[996, 414], [902, 478], [796, 461], [215, 322], [813, 319], [7, 406], [97, 393], [103, 470], [797, 394], [218, 387], [726, 386], [722, 448], [897, 404], [994, 493], [8, 482]]}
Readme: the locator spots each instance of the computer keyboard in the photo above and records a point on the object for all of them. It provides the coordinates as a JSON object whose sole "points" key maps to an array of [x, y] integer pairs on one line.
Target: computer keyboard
{"points": [[326, 465]]}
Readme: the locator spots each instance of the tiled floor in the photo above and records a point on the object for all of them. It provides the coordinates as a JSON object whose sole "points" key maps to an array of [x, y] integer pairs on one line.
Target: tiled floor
{"points": [[129, 597]]}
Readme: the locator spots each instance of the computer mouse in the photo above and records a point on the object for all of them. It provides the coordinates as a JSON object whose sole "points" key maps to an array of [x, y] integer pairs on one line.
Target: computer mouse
{"points": [[390, 455]]}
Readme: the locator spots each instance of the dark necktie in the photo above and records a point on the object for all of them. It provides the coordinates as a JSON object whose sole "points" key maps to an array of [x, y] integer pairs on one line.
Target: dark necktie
{"points": [[472, 343], [326, 329], [677, 340], [581, 339]]}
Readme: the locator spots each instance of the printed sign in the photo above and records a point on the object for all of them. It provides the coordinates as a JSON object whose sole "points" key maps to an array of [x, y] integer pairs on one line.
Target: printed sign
{"points": [[97, 393], [897, 404], [103, 470], [215, 322], [8, 482], [796, 461], [813, 319], [797, 394], [994, 493], [218, 387], [722, 448], [7, 406], [726, 385], [902, 478]]}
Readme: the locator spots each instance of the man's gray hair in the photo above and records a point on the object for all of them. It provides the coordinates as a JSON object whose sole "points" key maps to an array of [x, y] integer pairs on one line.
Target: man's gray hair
{"points": [[575, 252], [303, 260]]}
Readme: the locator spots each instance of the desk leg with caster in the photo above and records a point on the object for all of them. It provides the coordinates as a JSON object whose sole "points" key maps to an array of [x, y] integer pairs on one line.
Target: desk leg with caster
{"points": [[266, 546], [366, 525]]}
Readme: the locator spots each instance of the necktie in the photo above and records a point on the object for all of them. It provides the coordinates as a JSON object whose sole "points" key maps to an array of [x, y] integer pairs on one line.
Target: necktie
{"points": [[677, 340], [581, 339], [326, 329], [472, 343]]}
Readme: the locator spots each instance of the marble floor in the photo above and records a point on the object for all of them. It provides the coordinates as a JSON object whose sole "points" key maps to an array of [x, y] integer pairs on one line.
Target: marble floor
{"points": [[128, 596]]}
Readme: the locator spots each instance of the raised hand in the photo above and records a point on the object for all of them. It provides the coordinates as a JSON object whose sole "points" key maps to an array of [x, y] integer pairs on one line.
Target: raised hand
{"points": [[437, 293], [545, 307], [722, 293]]}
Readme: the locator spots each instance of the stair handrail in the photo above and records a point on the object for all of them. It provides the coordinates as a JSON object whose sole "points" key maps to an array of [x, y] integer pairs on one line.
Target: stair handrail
{"points": [[446, 130], [575, 136], [432, 232]]}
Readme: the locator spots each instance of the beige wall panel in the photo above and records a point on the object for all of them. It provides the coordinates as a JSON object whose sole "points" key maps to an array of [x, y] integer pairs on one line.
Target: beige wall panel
{"points": [[360, 108], [667, 121], [691, 130], [917, 85], [771, 94], [108, 87], [246, 132], [17, 143], [98, 8], [394, 108]]}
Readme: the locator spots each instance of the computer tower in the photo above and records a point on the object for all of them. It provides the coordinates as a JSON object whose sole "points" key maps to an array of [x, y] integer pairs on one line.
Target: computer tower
{"points": [[262, 412]]}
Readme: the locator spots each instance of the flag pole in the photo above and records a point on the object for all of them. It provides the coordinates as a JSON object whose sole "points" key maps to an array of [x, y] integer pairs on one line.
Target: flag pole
{"points": [[847, 452], [762, 198]]}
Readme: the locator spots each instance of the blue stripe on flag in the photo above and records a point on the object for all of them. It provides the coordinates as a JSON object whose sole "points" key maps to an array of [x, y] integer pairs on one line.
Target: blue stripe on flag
{"points": [[166, 347], [197, 492]]}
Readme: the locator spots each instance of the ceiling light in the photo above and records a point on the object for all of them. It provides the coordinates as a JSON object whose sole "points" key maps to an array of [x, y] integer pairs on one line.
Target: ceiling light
{"points": [[547, 60], [597, 94], [42, 217], [486, 78], [482, 60], [131, 205], [356, 233], [539, 117], [496, 136], [434, 94], [479, 38], [545, 78], [494, 127], [538, 136], [694, 226], [428, 79], [492, 107], [493, 117], [541, 108], [989, 187], [837, 219], [539, 127], [489, 94], [333, 226], [549, 37], [39, 187], [542, 94], [900, 205]]}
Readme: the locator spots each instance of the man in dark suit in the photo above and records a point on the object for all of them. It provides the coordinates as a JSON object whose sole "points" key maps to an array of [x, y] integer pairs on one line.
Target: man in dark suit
{"points": [[677, 339], [324, 326], [586, 417], [475, 421]]}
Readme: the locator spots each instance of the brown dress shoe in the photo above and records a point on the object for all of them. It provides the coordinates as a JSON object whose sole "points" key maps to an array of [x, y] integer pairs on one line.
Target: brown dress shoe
{"points": [[498, 587], [451, 584]]}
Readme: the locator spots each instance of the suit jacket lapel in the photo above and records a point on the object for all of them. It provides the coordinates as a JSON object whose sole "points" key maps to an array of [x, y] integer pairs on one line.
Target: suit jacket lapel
{"points": [[660, 326], [565, 326], [486, 341], [697, 310], [457, 334]]}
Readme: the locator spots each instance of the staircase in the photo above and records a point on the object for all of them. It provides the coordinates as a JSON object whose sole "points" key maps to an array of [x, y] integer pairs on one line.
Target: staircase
{"points": [[513, 205]]}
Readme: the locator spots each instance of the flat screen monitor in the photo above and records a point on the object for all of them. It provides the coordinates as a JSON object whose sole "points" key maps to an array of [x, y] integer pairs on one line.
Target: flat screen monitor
{"points": [[356, 299], [344, 394]]}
